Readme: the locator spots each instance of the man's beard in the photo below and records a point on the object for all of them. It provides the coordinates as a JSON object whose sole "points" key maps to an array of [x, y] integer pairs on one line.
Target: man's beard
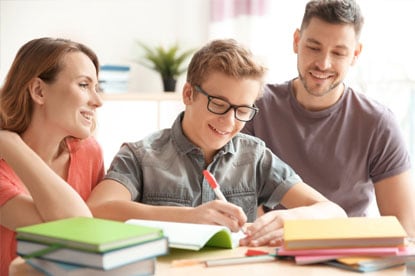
{"points": [[312, 92]]}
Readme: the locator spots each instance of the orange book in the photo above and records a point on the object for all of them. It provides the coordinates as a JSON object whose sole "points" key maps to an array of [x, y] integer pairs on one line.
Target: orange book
{"points": [[383, 231]]}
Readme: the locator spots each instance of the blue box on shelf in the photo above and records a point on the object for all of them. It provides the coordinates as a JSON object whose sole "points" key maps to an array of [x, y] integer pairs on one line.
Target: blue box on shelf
{"points": [[114, 78]]}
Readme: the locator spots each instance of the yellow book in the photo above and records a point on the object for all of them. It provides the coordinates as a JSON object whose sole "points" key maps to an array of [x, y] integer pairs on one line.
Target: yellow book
{"points": [[343, 232]]}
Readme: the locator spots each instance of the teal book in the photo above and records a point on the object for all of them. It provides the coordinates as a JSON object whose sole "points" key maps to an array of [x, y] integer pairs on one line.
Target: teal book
{"points": [[89, 234], [369, 264], [366, 268]]}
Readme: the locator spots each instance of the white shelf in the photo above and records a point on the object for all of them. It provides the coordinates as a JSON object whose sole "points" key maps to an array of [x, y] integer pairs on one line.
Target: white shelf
{"points": [[128, 117]]}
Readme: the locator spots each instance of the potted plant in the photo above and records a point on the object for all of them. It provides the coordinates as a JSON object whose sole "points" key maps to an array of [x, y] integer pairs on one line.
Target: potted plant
{"points": [[168, 62]]}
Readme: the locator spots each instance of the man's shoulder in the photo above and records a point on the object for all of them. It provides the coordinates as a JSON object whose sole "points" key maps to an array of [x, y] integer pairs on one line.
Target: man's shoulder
{"points": [[365, 104], [274, 93], [277, 88]]}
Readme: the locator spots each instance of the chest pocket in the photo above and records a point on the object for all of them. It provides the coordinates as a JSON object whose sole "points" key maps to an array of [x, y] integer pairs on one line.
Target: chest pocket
{"points": [[247, 200]]}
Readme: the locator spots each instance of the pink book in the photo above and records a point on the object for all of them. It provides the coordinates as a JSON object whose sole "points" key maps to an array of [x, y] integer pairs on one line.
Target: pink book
{"points": [[372, 251], [310, 256], [371, 256]]}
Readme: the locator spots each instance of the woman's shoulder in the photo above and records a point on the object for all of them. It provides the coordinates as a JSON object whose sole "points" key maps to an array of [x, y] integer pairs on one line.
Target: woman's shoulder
{"points": [[87, 145]]}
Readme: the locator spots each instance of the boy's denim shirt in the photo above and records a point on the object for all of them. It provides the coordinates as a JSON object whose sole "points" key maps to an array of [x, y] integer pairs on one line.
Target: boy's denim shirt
{"points": [[165, 168]]}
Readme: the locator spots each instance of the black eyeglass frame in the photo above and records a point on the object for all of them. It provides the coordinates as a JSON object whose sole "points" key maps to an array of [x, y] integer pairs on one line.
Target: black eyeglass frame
{"points": [[254, 109]]}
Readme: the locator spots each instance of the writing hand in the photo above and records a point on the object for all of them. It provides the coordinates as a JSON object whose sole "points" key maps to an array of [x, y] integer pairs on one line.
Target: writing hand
{"points": [[220, 213]]}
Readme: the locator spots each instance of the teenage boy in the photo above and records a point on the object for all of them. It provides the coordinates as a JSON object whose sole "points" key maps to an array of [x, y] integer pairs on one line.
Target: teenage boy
{"points": [[160, 177], [345, 145]]}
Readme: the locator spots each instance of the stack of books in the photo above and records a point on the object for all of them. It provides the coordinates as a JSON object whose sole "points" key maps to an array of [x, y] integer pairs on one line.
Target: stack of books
{"points": [[358, 243], [91, 246]]}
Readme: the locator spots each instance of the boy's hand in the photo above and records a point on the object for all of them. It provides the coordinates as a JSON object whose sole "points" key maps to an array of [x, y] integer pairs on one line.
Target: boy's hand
{"points": [[220, 213], [266, 230]]}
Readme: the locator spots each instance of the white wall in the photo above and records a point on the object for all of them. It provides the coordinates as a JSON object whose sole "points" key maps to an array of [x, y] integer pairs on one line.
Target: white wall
{"points": [[109, 27], [385, 69]]}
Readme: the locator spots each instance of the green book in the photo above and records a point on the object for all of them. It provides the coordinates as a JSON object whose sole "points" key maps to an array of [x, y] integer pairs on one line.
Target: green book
{"points": [[89, 234]]}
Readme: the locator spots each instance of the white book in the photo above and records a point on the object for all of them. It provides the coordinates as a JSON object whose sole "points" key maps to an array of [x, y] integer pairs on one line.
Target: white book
{"points": [[194, 236], [108, 260], [140, 268]]}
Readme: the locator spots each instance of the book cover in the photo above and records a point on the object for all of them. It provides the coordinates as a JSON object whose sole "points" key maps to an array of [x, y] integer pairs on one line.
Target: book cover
{"points": [[315, 259], [311, 256], [144, 267], [91, 234], [108, 260], [193, 236], [365, 264], [373, 263], [383, 231], [350, 251]]}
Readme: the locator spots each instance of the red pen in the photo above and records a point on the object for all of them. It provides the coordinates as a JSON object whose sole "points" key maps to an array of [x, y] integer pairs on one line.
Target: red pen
{"points": [[214, 185]]}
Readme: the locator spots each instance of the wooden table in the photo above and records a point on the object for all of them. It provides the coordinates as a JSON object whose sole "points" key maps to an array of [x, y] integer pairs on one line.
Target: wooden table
{"points": [[278, 267]]}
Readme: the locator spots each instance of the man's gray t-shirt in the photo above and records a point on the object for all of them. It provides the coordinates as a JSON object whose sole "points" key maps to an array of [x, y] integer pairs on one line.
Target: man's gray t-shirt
{"points": [[340, 151], [165, 168]]}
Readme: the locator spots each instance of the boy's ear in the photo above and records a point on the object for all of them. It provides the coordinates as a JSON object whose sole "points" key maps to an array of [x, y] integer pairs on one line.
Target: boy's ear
{"points": [[187, 94], [36, 90]]}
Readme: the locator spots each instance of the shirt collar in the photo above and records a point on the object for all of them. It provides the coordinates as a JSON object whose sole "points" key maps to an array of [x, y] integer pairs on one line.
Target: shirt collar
{"points": [[186, 146]]}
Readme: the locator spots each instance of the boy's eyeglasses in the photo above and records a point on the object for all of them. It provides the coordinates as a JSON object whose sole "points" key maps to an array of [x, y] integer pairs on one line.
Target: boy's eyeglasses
{"points": [[220, 106]]}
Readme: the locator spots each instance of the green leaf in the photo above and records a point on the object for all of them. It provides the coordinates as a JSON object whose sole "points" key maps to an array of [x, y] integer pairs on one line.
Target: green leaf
{"points": [[168, 62]]}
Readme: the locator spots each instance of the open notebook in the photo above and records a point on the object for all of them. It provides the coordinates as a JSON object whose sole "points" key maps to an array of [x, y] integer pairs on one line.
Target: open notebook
{"points": [[193, 236]]}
